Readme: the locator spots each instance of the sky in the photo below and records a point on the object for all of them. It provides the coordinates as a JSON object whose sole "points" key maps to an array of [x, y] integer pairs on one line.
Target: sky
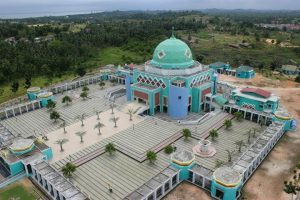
{"points": [[15, 7]]}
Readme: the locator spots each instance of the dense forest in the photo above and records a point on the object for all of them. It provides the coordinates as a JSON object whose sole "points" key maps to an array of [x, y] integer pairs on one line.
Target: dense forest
{"points": [[48, 46]]}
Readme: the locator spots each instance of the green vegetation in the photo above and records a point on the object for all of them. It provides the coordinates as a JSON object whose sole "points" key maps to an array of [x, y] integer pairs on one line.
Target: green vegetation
{"points": [[60, 49], [66, 99], [17, 191], [239, 116], [213, 134], [68, 169], [54, 115], [227, 123], [186, 133], [151, 156], [61, 143], [168, 149], [110, 148]]}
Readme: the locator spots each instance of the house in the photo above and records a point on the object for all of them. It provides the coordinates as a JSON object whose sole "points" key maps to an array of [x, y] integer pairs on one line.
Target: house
{"points": [[245, 72], [220, 67], [290, 69], [255, 98]]}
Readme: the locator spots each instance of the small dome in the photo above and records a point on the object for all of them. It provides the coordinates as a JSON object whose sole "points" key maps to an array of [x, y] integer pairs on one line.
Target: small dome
{"points": [[172, 53]]}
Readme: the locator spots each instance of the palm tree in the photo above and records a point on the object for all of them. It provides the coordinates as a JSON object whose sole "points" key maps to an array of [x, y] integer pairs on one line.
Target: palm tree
{"points": [[239, 145], [99, 125], [130, 112], [239, 116], [227, 123], [151, 156], [229, 155], [54, 115], [213, 134], [63, 125], [61, 142], [112, 106], [81, 118], [186, 133], [98, 114], [169, 149], [85, 89], [68, 169], [254, 132], [81, 134], [248, 133], [50, 105], [102, 84], [110, 148], [219, 163], [66, 99], [115, 120], [84, 95]]}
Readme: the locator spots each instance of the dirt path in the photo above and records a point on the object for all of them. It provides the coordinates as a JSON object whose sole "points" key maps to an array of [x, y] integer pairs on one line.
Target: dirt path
{"points": [[267, 182], [187, 191]]}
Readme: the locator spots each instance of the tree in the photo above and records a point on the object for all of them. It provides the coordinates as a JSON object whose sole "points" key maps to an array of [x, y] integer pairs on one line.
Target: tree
{"points": [[130, 112], [102, 84], [151, 156], [229, 155], [27, 82], [68, 169], [297, 79], [14, 87], [54, 115], [83, 95], [115, 120], [66, 99], [219, 163], [186, 133], [85, 89], [80, 134], [239, 116], [50, 105], [81, 118], [110, 148], [60, 143], [213, 134], [239, 145], [98, 114], [227, 124], [292, 187], [80, 71], [112, 106], [169, 149], [63, 125], [249, 134], [254, 132], [98, 126]]}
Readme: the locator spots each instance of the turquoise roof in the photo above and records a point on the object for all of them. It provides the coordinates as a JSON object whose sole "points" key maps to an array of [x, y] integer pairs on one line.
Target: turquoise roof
{"points": [[220, 100], [172, 53], [244, 68]]}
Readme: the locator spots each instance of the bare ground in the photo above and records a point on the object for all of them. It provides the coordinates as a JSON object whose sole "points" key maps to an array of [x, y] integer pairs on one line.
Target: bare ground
{"points": [[187, 191], [267, 182]]}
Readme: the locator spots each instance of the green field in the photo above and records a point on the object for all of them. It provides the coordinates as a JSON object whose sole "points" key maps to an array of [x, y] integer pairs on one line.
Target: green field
{"points": [[113, 55], [17, 191]]}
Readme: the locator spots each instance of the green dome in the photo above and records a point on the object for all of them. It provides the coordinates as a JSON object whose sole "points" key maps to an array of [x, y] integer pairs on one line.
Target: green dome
{"points": [[172, 53]]}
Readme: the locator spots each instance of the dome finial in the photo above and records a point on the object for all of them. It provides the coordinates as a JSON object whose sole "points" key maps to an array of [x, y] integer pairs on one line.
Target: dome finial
{"points": [[173, 32]]}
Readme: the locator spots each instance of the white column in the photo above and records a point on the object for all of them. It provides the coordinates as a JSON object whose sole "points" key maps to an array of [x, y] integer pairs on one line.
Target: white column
{"points": [[6, 113], [33, 108], [13, 109], [251, 116]]}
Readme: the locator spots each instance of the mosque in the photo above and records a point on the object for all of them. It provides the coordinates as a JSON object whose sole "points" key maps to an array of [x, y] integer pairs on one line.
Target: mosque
{"points": [[172, 81]]}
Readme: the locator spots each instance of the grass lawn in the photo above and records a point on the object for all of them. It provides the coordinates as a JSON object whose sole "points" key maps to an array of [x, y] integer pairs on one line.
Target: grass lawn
{"points": [[16, 191], [113, 55], [41, 81]]}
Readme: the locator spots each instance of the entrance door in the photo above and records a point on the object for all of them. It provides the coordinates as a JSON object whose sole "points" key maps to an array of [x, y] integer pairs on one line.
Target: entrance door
{"points": [[29, 169]]}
